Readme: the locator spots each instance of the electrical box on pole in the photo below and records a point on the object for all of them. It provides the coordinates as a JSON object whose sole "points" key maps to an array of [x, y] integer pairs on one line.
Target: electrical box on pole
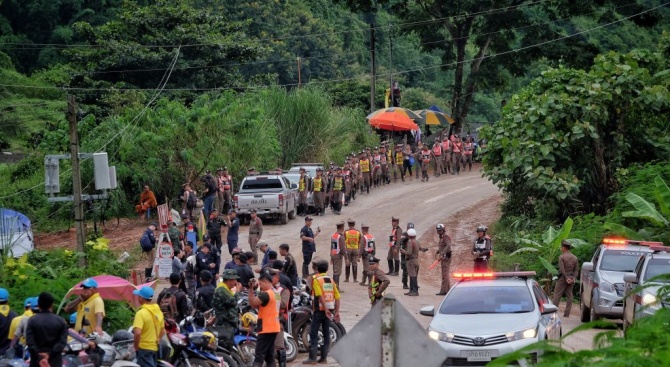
{"points": [[101, 169]]}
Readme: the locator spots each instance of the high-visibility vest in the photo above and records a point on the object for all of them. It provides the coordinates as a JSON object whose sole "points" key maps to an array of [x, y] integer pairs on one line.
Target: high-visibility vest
{"points": [[394, 238], [468, 149], [369, 243], [458, 146], [425, 156], [339, 182], [398, 157], [301, 184], [365, 165], [327, 292], [352, 238], [389, 156], [226, 182], [445, 146], [437, 150], [335, 244], [317, 184], [268, 315]]}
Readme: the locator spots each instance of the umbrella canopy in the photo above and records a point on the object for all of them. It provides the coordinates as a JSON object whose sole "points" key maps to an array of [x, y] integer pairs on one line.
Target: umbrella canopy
{"points": [[430, 117], [395, 111], [393, 122], [112, 288], [435, 108]]}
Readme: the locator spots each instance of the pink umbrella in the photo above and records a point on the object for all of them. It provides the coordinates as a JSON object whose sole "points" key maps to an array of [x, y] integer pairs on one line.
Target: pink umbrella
{"points": [[113, 289]]}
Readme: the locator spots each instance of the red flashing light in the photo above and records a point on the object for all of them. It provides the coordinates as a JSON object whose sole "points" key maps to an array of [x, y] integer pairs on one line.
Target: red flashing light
{"points": [[509, 274], [623, 241], [615, 241]]}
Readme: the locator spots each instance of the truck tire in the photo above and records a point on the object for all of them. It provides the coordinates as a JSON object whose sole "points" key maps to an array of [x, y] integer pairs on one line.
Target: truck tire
{"points": [[291, 214], [593, 315], [584, 312], [284, 218]]}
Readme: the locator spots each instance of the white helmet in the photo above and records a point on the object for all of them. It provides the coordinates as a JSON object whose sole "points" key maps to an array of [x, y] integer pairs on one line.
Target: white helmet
{"points": [[411, 232], [439, 227]]}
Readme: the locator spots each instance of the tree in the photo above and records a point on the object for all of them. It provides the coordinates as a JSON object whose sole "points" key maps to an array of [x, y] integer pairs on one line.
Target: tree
{"points": [[562, 139]]}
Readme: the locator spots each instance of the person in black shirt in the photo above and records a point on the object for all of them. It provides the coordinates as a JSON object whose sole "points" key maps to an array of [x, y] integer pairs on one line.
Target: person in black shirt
{"points": [[46, 334], [180, 297], [290, 266], [214, 223], [244, 270], [308, 246], [203, 260], [205, 294], [284, 280], [210, 193]]}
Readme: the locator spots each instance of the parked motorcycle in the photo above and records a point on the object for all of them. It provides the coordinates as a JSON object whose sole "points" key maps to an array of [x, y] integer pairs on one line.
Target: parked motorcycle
{"points": [[195, 349]]}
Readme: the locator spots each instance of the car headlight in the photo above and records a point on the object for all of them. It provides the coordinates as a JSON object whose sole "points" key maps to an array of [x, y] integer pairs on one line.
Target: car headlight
{"points": [[522, 334], [649, 299], [607, 287], [443, 337]]}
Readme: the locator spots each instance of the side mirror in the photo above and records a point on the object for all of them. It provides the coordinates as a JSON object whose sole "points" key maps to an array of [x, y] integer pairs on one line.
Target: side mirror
{"points": [[630, 278], [548, 309], [587, 267], [427, 311], [294, 186]]}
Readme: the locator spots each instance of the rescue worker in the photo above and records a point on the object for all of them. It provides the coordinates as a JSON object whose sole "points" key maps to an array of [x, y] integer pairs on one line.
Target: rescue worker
{"points": [[482, 250], [255, 231], [437, 153], [457, 153], [383, 161], [283, 297], [326, 306], [425, 162], [468, 149], [303, 189], [268, 320], [403, 259], [398, 166], [568, 269], [376, 167], [365, 166], [88, 305], [225, 186], [338, 186], [352, 239], [367, 250], [446, 154], [148, 328], [318, 188], [355, 176], [337, 251], [16, 333], [6, 317], [412, 256], [348, 182], [393, 255], [378, 281], [444, 255]]}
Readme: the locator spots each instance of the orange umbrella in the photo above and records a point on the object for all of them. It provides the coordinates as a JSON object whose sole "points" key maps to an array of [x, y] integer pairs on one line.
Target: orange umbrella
{"points": [[393, 122]]}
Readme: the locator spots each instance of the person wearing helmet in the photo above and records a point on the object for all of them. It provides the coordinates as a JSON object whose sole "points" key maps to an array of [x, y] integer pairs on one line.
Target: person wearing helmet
{"points": [[412, 256], [444, 255], [90, 306], [148, 328], [403, 260], [482, 250]]}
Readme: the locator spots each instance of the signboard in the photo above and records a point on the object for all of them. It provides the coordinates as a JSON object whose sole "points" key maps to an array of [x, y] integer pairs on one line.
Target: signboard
{"points": [[163, 259]]}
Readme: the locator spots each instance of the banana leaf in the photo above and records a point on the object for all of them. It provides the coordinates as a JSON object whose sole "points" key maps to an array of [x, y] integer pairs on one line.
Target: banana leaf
{"points": [[622, 230], [662, 196], [644, 210], [547, 265]]}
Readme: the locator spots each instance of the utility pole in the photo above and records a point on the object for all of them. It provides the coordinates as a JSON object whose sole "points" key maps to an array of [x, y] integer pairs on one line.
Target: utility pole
{"points": [[374, 69], [391, 62], [299, 76], [76, 178]]}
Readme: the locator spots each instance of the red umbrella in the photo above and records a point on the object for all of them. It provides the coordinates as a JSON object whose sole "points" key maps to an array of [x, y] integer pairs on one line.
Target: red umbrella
{"points": [[392, 122]]}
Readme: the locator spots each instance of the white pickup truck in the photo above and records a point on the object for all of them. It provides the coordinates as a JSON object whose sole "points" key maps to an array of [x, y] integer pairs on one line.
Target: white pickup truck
{"points": [[270, 194]]}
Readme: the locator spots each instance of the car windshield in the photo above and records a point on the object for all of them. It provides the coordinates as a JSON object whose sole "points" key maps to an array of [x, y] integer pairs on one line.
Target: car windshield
{"points": [[262, 183], [658, 267], [494, 299], [620, 260]]}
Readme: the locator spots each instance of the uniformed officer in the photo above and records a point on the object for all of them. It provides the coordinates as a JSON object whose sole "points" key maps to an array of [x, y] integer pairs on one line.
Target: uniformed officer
{"points": [[412, 255], [365, 166], [318, 188], [338, 187], [403, 260], [352, 239], [446, 154], [425, 156], [444, 255], [482, 250], [568, 269], [255, 230], [437, 153], [378, 281], [367, 248], [303, 189], [337, 252], [393, 255], [456, 153], [398, 164]]}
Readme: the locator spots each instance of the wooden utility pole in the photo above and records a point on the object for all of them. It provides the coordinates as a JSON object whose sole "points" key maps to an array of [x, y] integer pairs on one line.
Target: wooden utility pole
{"points": [[391, 64], [299, 76], [79, 223], [374, 69]]}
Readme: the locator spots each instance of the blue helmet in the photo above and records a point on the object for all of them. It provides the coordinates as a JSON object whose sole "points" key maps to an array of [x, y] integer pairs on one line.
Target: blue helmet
{"points": [[73, 318], [4, 295]]}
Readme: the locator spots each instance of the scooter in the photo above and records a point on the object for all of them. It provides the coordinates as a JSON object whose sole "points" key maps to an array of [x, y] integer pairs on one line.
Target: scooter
{"points": [[196, 348], [117, 351]]}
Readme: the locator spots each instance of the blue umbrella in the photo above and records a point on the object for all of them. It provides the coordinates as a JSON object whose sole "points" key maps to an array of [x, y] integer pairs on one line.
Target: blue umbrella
{"points": [[435, 108]]}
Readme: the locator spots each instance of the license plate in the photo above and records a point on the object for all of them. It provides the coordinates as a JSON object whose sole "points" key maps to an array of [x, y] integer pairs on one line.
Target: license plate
{"points": [[479, 355]]}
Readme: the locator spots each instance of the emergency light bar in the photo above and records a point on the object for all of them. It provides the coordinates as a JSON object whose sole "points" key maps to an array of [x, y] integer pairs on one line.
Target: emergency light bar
{"points": [[660, 248], [508, 274], [623, 241]]}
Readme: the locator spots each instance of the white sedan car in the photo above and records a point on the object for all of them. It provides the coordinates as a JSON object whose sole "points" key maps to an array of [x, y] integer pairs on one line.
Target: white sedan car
{"points": [[487, 315]]}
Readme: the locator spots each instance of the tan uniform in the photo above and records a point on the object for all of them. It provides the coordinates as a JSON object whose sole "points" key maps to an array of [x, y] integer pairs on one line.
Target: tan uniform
{"points": [[337, 255], [412, 255], [352, 239], [255, 234], [394, 244], [318, 188], [444, 254], [367, 248], [568, 269], [377, 285]]}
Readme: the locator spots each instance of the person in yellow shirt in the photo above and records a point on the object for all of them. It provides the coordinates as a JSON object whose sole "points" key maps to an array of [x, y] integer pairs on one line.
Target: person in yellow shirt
{"points": [[88, 305], [326, 307], [16, 331], [148, 328]]}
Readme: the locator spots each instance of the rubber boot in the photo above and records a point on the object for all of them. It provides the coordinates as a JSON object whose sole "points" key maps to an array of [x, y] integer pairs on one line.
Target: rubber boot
{"points": [[365, 278], [281, 357], [413, 287], [347, 271], [390, 262], [404, 278], [354, 271], [397, 267]]}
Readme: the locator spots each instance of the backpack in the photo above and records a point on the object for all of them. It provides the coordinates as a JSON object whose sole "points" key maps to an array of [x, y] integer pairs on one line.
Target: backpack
{"points": [[191, 201], [168, 305], [145, 243]]}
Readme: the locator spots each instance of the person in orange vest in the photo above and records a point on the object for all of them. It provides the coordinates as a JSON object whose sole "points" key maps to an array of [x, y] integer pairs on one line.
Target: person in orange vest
{"points": [[437, 153], [446, 155], [268, 319], [326, 307], [365, 166], [337, 251], [318, 188], [468, 149], [425, 162], [457, 153], [367, 250], [352, 239], [225, 188]]}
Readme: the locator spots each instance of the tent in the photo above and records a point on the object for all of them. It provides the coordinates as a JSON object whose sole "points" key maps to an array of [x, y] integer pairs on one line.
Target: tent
{"points": [[16, 237]]}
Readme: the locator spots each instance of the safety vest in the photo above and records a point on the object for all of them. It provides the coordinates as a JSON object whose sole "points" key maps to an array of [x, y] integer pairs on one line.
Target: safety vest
{"points": [[225, 182], [277, 290], [398, 158], [468, 149], [301, 184], [339, 182], [268, 315], [377, 159], [445, 146], [317, 184], [393, 237], [369, 243], [365, 165], [352, 238], [437, 150], [327, 292], [335, 244], [389, 156], [457, 147], [425, 156], [382, 158]]}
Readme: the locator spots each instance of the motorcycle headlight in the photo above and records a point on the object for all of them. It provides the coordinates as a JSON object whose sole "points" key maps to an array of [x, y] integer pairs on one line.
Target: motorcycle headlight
{"points": [[522, 334], [607, 287], [649, 299], [443, 337]]}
